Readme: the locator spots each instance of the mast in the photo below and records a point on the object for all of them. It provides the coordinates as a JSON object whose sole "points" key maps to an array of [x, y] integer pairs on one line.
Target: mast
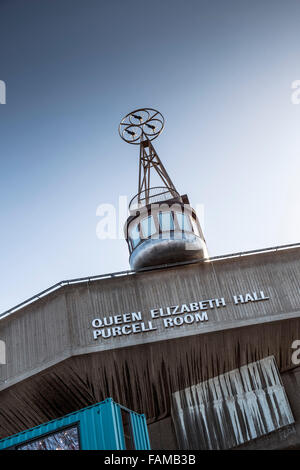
{"points": [[141, 127]]}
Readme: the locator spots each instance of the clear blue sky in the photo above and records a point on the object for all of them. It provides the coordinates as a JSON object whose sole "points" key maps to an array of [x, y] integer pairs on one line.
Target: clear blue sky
{"points": [[219, 71]]}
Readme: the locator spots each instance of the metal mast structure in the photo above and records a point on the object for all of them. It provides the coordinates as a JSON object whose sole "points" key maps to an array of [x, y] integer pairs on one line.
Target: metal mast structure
{"points": [[140, 127]]}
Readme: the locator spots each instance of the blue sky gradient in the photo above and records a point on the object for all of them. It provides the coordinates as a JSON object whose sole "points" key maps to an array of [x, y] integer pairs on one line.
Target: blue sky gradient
{"points": [[220, 72]]}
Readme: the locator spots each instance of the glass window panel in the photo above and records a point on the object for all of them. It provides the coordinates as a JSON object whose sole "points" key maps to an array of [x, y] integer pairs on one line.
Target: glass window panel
{"points": [[166, 221], [148, 227], [66, 439], [134, 235], [195, 227], [183, 222]]}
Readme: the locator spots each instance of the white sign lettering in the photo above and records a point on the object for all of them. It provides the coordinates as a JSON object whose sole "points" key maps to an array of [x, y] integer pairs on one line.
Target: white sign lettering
{"points": [[170, 317]]}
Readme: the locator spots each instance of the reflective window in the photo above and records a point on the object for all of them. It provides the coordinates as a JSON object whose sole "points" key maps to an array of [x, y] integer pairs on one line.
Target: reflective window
{"points": [[148, 227], [66, 439], [134, 235], [166, 221], [183, 222]]}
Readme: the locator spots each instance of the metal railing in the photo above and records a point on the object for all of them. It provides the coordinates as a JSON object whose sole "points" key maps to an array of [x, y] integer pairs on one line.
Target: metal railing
{"points": [[152, 196], [89, 279]]}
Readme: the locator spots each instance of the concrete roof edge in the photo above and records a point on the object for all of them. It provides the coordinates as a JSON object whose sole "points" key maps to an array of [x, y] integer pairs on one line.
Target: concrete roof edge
{"points": [[69, 282]]}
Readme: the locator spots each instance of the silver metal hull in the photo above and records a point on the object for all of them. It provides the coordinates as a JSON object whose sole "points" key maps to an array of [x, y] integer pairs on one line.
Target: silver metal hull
{"points": [[152, 252]]}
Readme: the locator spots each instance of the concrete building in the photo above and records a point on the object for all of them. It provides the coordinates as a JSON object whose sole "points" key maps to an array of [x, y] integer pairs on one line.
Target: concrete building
{"points": [[168, 329], [205, 348]]}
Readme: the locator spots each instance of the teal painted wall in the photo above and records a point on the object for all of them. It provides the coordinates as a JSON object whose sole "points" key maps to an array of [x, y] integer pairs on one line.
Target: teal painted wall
{"points": [[100, 428]]}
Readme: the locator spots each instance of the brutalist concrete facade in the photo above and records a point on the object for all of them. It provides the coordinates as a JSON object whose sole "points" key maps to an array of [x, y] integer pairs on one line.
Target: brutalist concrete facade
{"points": [[142, 337]]}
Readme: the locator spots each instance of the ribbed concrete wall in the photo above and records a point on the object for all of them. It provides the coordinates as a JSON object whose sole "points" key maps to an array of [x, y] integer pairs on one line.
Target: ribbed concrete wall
{"points": [[60, 325], [51, 345]]}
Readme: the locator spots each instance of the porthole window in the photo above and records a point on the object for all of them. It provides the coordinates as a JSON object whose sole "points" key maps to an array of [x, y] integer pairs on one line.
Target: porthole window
{"points": [[148, 227]]}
